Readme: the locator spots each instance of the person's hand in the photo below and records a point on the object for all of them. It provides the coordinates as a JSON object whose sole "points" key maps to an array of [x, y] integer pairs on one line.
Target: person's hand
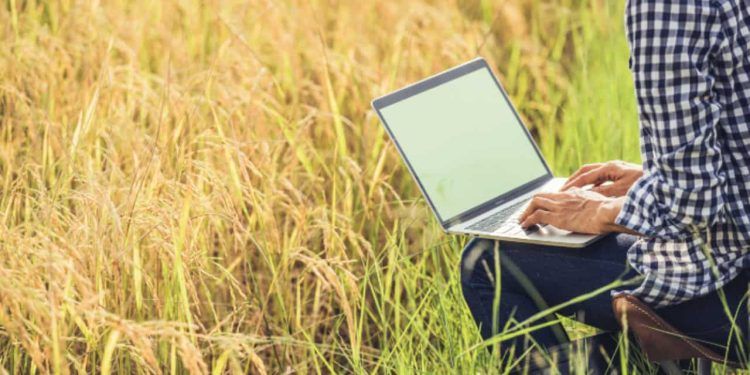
{"points": [[576, 210], [622, 176]]}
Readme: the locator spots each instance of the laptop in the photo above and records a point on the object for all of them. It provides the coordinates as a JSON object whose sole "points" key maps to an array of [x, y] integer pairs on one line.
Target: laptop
{"points": [[471, 155]]}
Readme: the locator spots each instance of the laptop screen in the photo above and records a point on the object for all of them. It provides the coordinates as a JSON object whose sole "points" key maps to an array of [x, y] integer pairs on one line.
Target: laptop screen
{"points": [[464, 142]]}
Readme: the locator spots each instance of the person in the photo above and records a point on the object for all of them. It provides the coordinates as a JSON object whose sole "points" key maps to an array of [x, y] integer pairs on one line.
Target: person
{"points": [[679, 224]]}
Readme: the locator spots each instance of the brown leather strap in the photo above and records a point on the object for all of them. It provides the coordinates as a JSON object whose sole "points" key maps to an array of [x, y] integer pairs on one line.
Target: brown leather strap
{"points": [[658, 339]]}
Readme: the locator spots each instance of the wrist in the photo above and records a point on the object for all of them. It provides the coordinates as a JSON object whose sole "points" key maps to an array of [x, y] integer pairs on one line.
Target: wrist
{"points": [[608, 212]]}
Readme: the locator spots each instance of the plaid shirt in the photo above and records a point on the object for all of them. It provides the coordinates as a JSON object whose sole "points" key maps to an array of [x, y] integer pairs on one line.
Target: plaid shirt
{"points": [[691, 64]]}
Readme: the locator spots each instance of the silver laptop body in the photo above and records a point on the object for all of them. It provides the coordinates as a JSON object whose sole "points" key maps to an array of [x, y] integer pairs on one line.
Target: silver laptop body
{"points": [[471, 155]]}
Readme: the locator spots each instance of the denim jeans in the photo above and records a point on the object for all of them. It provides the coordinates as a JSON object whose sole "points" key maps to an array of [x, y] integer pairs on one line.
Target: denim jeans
{"points": [[534, 277]]}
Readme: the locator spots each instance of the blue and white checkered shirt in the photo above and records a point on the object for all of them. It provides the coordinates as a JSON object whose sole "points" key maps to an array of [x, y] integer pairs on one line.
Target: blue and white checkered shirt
{"points": [[691, 64]]}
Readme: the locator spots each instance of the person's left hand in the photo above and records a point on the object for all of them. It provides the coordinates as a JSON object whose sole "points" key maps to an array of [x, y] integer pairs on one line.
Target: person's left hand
{"points": [[576, 210]]}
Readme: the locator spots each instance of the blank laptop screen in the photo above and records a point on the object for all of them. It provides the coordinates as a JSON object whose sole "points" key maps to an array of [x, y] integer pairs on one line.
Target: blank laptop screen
{"points": [[464, 142]]}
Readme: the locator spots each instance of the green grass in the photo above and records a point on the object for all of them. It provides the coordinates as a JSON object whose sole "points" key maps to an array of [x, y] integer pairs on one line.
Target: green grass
{"points": [[201, 186]]}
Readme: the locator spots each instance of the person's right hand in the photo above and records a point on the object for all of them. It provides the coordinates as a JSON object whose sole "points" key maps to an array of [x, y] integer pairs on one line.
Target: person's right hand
{"points": [[622, 176]]}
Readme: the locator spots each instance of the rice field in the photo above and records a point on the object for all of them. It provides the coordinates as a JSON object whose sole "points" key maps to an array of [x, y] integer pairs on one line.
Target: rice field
{"points": [[201, 187]]}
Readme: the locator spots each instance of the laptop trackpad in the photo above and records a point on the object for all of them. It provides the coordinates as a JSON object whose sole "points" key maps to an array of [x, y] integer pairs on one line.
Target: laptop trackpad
{"points": [[548, 233], [549, 230]]}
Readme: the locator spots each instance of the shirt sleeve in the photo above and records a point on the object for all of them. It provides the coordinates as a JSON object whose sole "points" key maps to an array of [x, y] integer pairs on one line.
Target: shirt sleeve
{"points": [[672, 60]]}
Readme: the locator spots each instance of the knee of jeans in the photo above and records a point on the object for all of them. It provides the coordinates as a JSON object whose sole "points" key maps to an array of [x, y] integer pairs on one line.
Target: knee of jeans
{"points": [[472, 253]]}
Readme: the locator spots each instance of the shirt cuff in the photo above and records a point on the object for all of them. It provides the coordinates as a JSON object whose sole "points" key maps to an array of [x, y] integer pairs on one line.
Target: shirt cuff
{"points": [[641, 212]]}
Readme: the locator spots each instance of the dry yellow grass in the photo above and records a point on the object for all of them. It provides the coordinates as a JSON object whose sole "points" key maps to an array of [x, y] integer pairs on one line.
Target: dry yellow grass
{"points": [[200, 186]]}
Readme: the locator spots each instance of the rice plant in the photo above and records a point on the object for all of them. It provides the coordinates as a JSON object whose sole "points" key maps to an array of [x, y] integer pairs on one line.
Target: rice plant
{"points": [[201, 187]]}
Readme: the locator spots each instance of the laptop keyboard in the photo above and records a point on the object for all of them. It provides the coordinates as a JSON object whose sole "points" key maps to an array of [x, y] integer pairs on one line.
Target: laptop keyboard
{"points": [[491, 223]]}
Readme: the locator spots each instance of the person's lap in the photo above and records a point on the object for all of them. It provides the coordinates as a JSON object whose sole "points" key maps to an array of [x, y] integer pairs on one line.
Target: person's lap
{"points": [[559, 275]]}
